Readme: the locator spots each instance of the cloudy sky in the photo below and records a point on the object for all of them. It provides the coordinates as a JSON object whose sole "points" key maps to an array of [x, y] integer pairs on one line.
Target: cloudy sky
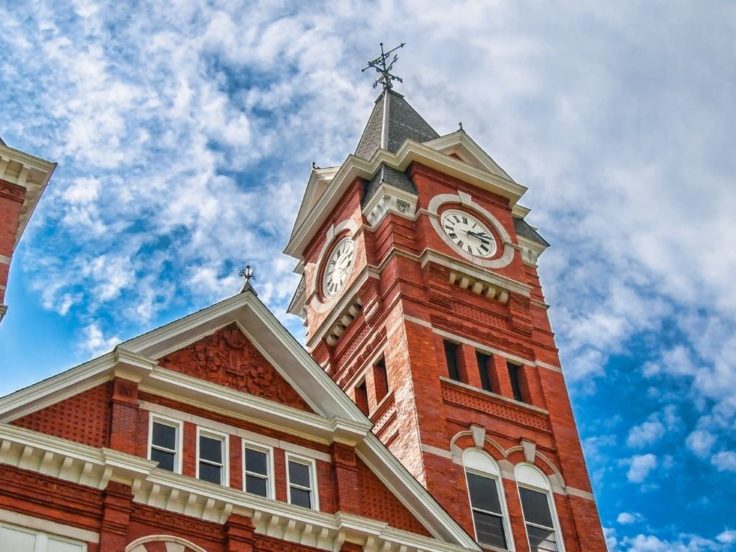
{"points": [[184, 132]]}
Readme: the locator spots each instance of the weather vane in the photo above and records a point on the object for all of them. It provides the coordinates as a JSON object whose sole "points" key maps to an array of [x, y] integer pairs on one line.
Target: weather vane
{"points": [[247, 275], [379, 64]]}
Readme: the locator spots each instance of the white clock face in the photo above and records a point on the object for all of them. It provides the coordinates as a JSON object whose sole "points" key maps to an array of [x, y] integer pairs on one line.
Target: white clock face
{"points": [[468, 233], [338, 268]]}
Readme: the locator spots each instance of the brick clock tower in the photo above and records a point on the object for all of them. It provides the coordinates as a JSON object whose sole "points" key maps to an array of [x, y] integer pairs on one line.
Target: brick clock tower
{"points": [[421, 299]]}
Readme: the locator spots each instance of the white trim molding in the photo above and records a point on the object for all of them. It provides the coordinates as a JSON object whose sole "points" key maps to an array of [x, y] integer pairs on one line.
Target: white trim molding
{"points": [[466, 200]]}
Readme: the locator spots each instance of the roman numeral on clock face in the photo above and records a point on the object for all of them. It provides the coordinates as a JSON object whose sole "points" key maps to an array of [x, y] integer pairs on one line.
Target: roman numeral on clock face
{"points": [[338, 268], [468, 233]]}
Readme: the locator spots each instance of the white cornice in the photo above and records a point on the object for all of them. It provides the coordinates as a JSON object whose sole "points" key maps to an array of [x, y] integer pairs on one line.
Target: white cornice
{"points": [[309, 221], [92, 467], [29, 172]]}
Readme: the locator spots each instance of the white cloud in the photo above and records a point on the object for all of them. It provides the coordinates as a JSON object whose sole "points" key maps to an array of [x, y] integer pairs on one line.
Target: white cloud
{"points": [[681, 543], [645, 433], [724, 461], [700, 442], [640, 466], [95, 342], [626, 518]]}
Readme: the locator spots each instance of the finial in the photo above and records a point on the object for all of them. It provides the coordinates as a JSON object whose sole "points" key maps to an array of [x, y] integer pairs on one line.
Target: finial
{"points": [[460, 125], [314, 166], [379, 64], [247, 275]]}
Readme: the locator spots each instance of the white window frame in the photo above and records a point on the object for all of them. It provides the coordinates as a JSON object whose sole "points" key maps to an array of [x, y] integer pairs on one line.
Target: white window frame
{"points": [[42, 537], [270, 480], [542, 485], [225, 438], [491, 471], [312, 464], [171, 422]]}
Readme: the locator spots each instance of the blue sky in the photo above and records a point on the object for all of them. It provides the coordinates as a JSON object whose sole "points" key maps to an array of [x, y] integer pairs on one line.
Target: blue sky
{"points": [[184, 132]]}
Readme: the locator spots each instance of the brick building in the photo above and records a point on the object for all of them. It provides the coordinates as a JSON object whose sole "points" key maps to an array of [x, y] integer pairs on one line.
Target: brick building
{"points": [[23, 178], [429, 411]]}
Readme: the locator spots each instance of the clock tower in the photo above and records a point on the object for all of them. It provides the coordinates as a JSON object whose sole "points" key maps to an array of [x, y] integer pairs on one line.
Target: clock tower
{"points": [[421, 299]]}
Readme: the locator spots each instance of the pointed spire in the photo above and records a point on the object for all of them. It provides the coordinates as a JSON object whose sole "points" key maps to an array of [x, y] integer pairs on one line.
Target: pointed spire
{"points": [[392, 122]]}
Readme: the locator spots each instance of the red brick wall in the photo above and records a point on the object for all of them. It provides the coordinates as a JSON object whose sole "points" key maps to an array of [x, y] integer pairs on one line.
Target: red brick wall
{"points": [[11, 200], [84, 418], [379, 503]]}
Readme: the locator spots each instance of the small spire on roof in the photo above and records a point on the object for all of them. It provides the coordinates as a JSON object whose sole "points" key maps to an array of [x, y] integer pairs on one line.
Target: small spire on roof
{"points": [[379, 64], [248, 275]]}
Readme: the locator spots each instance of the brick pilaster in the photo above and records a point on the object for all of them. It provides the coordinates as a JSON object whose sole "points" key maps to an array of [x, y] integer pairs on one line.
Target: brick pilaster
{"points": [[124, 417], [239, 534], [116, 508], [345, 475]]}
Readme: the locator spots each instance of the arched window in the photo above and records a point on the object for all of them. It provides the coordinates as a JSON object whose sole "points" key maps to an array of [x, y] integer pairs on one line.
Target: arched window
{"points": [[537, 504], [486, 499]]}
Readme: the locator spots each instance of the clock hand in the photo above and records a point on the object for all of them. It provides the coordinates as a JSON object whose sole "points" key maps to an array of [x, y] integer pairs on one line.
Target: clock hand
{"points": [[481, 237]]}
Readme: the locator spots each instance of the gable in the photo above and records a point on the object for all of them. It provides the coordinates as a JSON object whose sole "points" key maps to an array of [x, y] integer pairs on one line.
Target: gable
{"points": [[228, 358], [378, 502], [84, 418]]}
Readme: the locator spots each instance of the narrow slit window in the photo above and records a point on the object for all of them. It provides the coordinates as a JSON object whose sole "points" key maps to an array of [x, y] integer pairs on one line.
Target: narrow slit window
{"points": [[484, 367], [515, 377], [257, 478], [452, 352], [301, 483], [164, 445], [538, 519], [211, 461], [361, 397], [380, 379]]}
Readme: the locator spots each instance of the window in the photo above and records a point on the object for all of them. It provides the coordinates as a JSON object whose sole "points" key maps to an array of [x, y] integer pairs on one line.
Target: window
{"points": [[484, 367], [515, 377], [211, 457], [452, 353], [258, 469], [302, 490], [20, 539], [538, 509], [165, 437], [380, 379], [486, 499], [361, 397]]}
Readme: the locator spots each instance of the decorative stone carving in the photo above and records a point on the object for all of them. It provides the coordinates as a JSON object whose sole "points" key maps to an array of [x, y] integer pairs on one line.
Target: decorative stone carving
{"points": [[530, 450], [228, 358], [479, 435]]}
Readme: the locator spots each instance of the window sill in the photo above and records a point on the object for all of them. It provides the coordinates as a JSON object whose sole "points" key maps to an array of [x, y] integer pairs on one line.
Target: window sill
{"points": [[496, 396]]}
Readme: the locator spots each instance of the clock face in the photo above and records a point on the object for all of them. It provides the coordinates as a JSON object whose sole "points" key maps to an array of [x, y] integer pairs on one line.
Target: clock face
{"points": [[338, 268], [468, 233]]}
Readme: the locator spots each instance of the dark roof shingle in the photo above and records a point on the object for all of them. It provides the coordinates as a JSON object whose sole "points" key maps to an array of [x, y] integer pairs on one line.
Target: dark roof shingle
{"points": [[392, 122]]}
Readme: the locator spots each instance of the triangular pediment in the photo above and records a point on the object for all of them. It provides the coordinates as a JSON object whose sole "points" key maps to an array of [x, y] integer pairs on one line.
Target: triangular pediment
{"points": [[228, 358], [461, 146]]}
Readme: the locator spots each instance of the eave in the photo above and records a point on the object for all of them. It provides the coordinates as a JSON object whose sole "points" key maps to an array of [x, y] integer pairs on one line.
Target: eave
{"points": [[354, 167], [29, 172]]}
